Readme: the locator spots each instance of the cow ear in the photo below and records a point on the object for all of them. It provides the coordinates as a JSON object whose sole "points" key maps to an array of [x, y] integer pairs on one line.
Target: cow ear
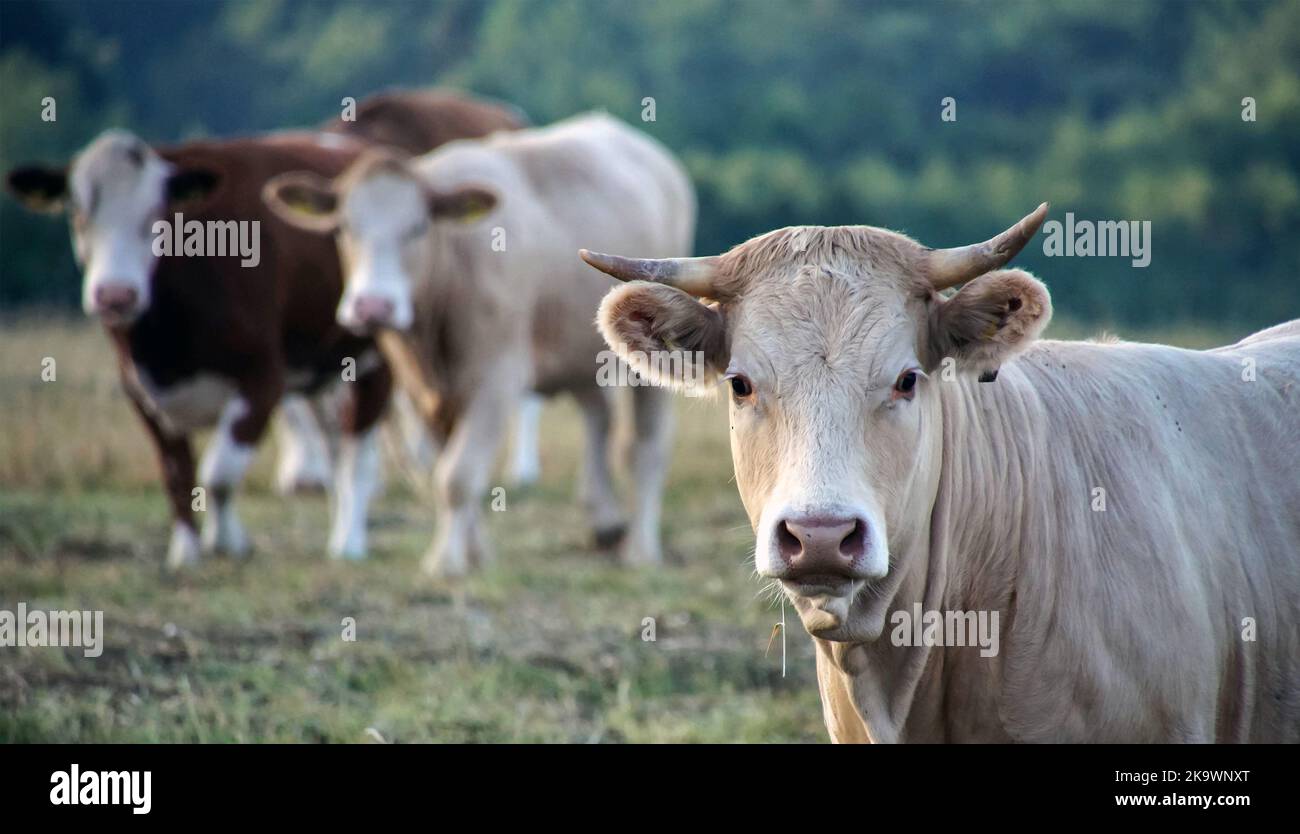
{"points": [[989, 320], [303, 199], [665, 335], [463, 205], [39, 187], [191, 185]]}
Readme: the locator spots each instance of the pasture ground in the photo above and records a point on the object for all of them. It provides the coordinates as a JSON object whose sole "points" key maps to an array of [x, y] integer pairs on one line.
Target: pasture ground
{"points": [[547, 646]]}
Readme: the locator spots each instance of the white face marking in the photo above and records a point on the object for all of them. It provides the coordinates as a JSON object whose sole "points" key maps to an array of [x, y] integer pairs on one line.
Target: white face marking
{"points": [[385, 219], [118, 188], [826, 457]]}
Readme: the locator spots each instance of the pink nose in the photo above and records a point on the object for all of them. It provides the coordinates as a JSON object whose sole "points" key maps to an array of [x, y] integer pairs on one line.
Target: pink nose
{"points": [[819, 546], [115, 298], [372, 310]]}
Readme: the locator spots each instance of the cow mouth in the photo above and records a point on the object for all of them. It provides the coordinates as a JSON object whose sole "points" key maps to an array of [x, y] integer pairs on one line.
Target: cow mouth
{"points": [[840, 609], [823, 614], [118, 318], [821, 585]]}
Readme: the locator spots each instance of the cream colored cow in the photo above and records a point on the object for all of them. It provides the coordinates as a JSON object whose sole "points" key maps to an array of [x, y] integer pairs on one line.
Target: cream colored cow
{"points": [[1130, 512], [463, 261]]}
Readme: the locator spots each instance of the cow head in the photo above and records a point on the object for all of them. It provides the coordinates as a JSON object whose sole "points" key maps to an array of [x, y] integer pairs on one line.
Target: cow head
{"points": [[831, 342], [114, 192], [383, 216]]}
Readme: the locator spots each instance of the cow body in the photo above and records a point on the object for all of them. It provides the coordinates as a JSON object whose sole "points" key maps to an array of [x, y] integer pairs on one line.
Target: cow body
{"points": [[1129, 512], [1123, 623], [417, 121], [488, 303], [209, 340]]}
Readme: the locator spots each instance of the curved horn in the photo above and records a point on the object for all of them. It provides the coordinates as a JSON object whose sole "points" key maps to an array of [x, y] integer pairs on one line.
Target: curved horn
{"points": [[692, 275], [950, 267]]}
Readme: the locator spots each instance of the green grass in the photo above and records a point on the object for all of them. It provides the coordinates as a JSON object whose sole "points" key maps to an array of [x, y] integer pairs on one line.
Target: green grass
{"points": [[546, 647]]}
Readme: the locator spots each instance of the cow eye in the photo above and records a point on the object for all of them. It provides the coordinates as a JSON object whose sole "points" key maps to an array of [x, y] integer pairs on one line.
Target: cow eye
{"points": [[905, 385], [741, 387]]}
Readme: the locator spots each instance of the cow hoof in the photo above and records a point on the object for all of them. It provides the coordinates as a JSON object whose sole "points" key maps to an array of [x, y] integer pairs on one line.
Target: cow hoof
{"points": [[354, 553], [607, 538], [184, 550], [641, 557], [435, 566], [225, 535], [525, 477], [302, 486]]}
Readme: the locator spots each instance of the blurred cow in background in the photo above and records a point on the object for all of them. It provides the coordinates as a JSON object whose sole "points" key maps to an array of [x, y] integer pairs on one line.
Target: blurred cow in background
{"points": [[462, 261], [204, 340]]}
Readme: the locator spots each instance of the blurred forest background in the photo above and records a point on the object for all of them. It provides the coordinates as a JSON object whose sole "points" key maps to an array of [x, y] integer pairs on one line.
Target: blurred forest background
{"points": [[808, 111]]}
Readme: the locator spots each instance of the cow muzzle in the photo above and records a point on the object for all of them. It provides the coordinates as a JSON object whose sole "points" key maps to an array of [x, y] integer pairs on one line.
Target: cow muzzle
{"points": [[823, 556], [115, 302], [368, 313], [815, 553]]}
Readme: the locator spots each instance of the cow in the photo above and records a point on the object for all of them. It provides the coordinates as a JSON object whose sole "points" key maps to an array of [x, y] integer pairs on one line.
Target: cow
{"points": [[219, 340], [1131, 511], [461, 261]]}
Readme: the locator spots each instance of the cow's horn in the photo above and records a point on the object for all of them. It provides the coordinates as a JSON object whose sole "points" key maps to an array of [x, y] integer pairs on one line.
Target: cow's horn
{"points": [[950, 267], [692, 275]]}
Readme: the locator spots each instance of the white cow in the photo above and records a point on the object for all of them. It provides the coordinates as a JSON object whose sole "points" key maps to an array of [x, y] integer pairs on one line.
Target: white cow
{"points": [[462, 260], [1123, 519]]}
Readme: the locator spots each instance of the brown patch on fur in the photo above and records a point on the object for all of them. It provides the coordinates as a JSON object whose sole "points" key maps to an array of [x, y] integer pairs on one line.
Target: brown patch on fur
{"points": [[414, 121]]}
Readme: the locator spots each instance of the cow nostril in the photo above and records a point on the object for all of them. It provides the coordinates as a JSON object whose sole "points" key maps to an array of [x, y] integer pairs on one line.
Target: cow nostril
{"points": [[854, 545], [790, 545]]}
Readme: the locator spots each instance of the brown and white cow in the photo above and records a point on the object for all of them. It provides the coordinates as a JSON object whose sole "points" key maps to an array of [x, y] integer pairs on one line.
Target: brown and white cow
{"points": [[205, 340], [462, 259], [1131, 511]]}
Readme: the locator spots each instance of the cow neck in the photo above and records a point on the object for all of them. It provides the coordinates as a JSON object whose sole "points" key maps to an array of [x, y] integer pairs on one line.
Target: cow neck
{"points": [[899, 692]]}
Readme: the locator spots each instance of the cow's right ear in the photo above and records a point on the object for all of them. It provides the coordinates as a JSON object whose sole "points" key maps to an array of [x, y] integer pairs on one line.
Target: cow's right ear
{"points": [[39, 187], [305, 200], [666, 335]]}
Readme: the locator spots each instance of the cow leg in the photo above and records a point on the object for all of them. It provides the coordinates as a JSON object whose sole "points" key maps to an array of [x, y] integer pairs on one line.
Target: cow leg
{"points": [[176, 460], [461, 477], [225, 462], [596, 485], [358, 473], [304, 463], [525, 463], [649, 452]]}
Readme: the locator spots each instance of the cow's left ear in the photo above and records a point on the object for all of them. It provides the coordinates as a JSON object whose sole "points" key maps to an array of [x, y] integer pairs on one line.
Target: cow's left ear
{"points": [[988, 321], [191, 185], [462, 205]]}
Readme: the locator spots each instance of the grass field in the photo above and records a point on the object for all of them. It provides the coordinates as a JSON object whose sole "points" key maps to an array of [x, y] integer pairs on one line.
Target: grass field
{"points": [[546, 647]]}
